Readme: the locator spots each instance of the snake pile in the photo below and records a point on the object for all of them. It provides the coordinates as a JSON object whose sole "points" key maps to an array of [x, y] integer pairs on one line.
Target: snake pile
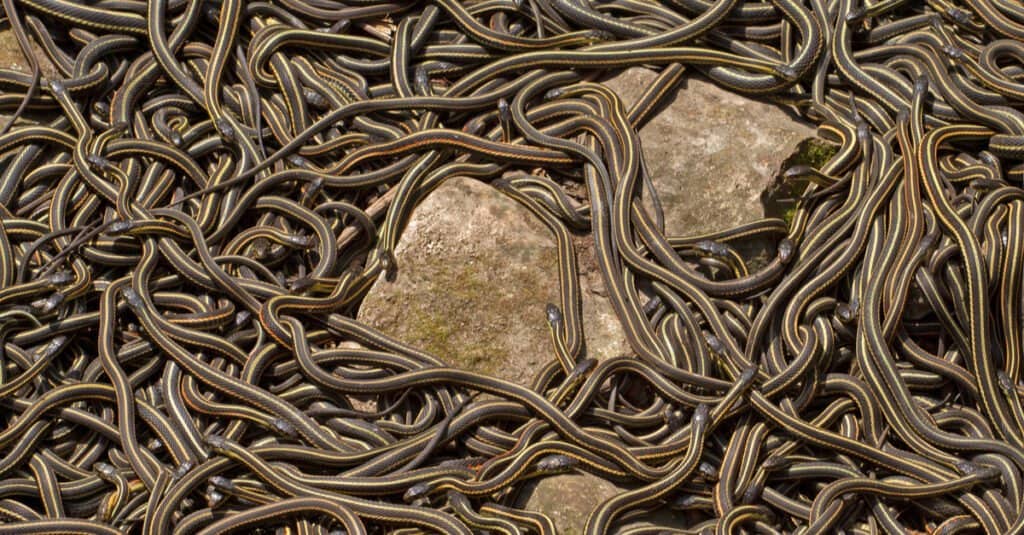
{"points": [[194, 205]]}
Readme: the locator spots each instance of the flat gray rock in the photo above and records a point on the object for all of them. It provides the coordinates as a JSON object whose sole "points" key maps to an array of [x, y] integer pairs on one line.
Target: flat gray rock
{"points": [[709, 152], [475, 271]]}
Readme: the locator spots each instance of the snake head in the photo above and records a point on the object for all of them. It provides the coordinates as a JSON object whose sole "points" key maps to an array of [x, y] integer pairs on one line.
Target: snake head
{"points": [[51, 348], [786, 250], [182, 469], [416, 492], [673, 418], [688, 501], [797, 171], [504, 111], [863, 133], [296, 160], [221, 482], [154, 444], [712, 247], [300, 241], [708, 471], [856, 15], [752, 494], [98, 162], [390, 265], [775, 462], [786, 72], [968, 468], [747, 376], [284, 428], [122, 226], [421, 78], [133, 299], [58, 278], [702, 414], [847, 312], [583, 367], [57, 87], [47, 304], [503, 184], [175, 138], [554, 315], [553, 94], [226, 130], [598, 35], [106, 471], [242, 317], [556, 464], [457, 498], [954, 52], [714, 343], [214, 498], [1004, 381], [217, 443], [959, 16], [921, 85]]}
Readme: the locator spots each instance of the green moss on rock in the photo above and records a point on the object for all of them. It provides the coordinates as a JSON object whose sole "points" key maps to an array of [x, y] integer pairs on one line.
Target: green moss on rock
{"points": [[779, 200]]}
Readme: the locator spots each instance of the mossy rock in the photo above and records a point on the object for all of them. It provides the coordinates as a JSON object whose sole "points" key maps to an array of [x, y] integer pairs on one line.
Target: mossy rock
{"points": [[779, 199]]}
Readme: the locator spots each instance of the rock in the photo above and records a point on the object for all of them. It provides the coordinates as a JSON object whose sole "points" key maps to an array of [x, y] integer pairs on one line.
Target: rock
{"points": [[710, 152], [568, 500], [475, 271], [12, 58]]}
